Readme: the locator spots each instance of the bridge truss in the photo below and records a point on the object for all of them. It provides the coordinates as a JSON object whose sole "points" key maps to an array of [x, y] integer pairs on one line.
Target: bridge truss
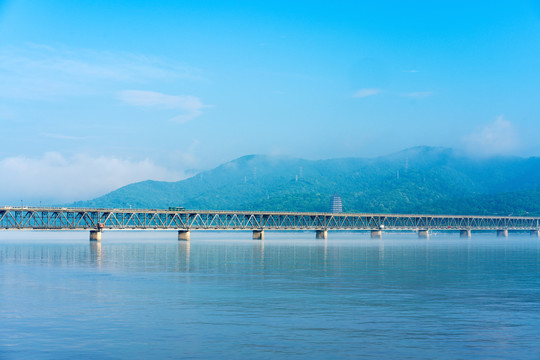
{"points": [[29, 218]]}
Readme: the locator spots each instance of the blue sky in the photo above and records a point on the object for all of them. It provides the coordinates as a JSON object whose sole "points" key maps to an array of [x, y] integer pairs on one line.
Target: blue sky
{"points": [[98, 94]]}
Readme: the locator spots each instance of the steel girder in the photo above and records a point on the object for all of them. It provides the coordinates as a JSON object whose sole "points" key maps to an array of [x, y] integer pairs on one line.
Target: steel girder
{"points": [[82, 219]]}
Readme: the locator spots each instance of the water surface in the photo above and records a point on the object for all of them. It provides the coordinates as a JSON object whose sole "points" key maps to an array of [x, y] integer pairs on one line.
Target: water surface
{"points": [[146, 295]]}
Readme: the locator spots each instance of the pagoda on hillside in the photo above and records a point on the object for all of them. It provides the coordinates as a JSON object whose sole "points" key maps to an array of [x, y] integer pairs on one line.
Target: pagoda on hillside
{"points": [[335, 204]]}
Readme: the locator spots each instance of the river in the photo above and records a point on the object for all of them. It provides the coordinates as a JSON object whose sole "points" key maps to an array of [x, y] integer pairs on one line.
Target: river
{"points": [[142, 295]]}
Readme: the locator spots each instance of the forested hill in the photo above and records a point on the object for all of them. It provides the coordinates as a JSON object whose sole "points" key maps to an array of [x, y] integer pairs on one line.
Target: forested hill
{"points": [[417, 180]]}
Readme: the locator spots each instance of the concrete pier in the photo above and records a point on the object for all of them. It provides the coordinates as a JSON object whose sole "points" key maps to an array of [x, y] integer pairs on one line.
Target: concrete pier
{"points": [[424, 234], [502, 233], [321, 234], [376, 234], [184, 235], [535, 233], [258, 234], [465, 233], [95, 235]]}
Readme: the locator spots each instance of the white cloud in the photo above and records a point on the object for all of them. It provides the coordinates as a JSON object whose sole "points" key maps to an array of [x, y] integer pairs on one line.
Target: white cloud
{"points": [[55, 178], [191, 105], [187, 157], [41, 72], [418, 94], [496, 138], [366, 92], [64, 137]]}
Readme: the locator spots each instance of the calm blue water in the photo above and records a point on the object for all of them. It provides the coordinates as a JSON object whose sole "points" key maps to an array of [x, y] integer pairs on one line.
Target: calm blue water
{"points": [[145, 295]]}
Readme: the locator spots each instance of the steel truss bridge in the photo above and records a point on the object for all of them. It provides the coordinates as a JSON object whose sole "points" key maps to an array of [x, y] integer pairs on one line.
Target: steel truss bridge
{"points": [[96, 220]]}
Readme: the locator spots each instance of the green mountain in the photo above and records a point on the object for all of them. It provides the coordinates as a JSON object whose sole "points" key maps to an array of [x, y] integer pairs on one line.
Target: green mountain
{"points": [[417, 180]]}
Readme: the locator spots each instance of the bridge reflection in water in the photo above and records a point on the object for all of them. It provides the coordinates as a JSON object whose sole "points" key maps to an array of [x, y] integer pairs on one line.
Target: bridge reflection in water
{"points": [[97, 220]]}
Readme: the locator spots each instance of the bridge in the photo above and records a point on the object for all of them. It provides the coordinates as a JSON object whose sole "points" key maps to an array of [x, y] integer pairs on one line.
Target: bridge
{"points": [[184, 221]]}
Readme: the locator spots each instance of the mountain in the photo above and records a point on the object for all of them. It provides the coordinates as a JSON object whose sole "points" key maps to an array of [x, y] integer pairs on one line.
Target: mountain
{"points": [[416, 180]]}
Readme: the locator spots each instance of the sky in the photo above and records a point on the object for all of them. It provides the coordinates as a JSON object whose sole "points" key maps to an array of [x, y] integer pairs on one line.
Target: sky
{"points": [[95, 95]]}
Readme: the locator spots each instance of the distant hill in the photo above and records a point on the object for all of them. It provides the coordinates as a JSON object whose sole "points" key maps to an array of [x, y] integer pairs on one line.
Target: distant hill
{"points": [[416, 180]]}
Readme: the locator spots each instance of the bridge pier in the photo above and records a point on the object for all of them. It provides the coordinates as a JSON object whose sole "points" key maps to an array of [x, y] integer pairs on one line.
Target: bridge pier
{"points": [[502, 233], [184, 235], [95, 235], [535, 233], [376, 234], [465, 233], [258, 234], [424, 234], [321, 234]]}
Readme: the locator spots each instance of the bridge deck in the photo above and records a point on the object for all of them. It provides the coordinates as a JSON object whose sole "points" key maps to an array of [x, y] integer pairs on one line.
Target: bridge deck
{"points": [[47, 218]]}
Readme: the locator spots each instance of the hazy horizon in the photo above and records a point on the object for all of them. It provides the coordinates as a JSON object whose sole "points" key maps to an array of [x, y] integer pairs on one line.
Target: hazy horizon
{"points": [[406, 154]]}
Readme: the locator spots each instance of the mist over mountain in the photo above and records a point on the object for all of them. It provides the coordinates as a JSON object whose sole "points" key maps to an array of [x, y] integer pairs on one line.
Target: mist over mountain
{"points": [[416, 180]]}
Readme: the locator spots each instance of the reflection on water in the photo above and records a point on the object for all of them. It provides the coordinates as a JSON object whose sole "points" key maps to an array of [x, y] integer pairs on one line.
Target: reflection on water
{"points": [[95, 252], [184, 251], [146, 296]]}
